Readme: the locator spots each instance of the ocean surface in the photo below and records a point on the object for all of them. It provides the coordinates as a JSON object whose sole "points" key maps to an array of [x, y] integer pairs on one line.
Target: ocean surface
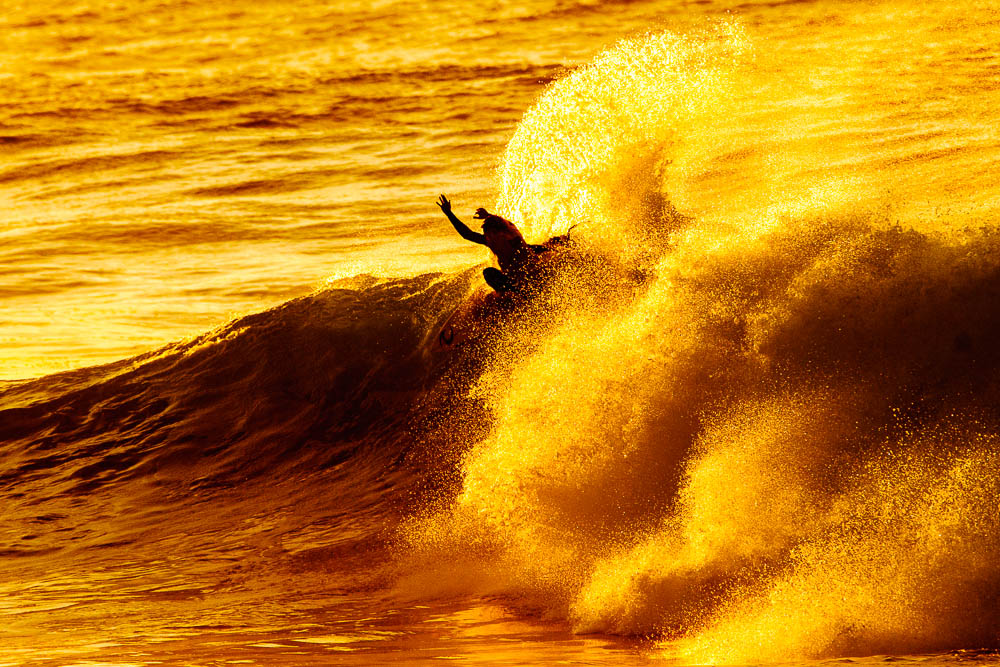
{"points": [[754, 416]]}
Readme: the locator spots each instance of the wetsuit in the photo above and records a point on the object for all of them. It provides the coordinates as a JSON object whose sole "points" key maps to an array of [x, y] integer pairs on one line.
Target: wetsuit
{"points": [[517, 258]]}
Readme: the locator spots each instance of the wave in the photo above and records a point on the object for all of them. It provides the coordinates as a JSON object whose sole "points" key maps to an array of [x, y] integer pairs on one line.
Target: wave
{"points": [[758, 441], [784, 448], [328, 382]]}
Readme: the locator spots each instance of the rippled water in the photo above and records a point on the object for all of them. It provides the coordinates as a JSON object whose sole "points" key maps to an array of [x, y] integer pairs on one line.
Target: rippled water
{"points": [[760, 426], [168, 165]]}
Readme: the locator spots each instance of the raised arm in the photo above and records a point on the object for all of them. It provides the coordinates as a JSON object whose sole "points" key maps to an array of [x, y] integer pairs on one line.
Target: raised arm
{"points": [[459, 226]]}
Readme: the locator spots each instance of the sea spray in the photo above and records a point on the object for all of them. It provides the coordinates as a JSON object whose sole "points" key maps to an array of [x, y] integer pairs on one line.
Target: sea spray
{"points": [[782, 448], [593, 149]]}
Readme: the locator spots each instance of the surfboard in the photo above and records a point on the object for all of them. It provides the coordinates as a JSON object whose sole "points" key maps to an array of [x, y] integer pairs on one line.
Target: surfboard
{"points": [[476, 316], [484, 309]]}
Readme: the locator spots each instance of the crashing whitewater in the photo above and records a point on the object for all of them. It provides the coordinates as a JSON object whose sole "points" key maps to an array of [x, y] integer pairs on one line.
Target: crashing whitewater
{"points": [[784, 447]]}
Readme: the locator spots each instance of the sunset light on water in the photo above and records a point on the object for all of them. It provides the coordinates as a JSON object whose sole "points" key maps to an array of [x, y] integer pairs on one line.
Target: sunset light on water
{"points": [[734, 399]]}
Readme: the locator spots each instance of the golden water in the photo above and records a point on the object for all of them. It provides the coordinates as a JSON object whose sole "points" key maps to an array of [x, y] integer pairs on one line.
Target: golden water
{"points": [[764, 429]]}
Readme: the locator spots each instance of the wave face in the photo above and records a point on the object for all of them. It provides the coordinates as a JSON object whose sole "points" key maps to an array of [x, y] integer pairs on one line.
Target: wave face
{"points": [[784, 447], [314, 402]]}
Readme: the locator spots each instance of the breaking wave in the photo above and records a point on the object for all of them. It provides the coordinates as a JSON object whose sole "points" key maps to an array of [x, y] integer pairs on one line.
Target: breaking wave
{"points": [[784, 447], [753, 441]]}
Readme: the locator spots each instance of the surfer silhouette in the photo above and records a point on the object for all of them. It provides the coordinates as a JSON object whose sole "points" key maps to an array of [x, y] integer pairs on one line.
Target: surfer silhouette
{"points": [[516, 257]]}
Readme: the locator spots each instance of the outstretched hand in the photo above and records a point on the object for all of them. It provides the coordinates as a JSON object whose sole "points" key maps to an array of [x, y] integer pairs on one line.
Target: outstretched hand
{"points": [[444, 204], [481, 214]]}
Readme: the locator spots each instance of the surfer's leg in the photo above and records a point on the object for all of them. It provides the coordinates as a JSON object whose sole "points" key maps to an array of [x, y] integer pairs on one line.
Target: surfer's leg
{"points": [[496, 279]]}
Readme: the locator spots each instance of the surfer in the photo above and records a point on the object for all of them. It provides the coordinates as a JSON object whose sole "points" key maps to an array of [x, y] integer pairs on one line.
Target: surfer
{"points": [[517, 258]]}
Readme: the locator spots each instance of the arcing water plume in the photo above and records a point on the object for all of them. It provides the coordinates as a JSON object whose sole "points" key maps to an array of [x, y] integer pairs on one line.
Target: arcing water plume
{"points": [[783, 446], [592, 149]]}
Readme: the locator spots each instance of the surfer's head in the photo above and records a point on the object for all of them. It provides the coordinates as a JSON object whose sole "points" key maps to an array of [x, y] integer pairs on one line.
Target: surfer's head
{"points": [[496, 228], [502, 235]]}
